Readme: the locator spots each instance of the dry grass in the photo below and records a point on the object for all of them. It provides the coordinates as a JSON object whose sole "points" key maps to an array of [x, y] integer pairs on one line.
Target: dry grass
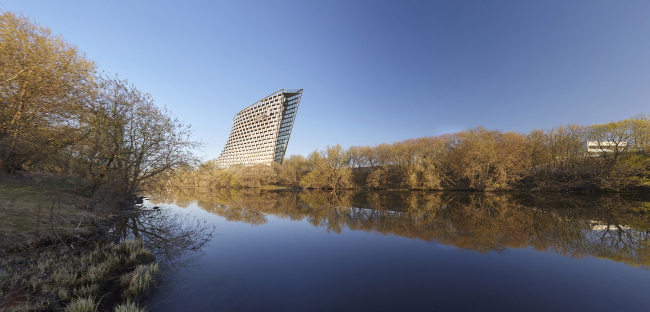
{"points": [[82, 305], [76, 281], [129, 307], [139, 281], [38, 207]]}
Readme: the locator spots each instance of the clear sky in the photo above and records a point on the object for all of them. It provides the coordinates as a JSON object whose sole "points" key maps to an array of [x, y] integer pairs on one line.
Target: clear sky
{"points": [[372, 71]]}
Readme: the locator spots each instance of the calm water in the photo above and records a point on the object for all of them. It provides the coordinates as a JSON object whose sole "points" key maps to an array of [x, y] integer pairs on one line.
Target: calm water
{"points": [[397, 251]]}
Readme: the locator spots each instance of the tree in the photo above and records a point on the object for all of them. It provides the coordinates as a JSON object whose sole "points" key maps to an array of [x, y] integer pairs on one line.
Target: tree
{"points": [[376, 178], [641, 133], [43, 84], [336, 167], [253, 176], [538, 150], [130, 139], [475, 152], [621, 162], [513, 160], [329, 168], [292, 169], [613, 139], [423, 165], [488, 158]]}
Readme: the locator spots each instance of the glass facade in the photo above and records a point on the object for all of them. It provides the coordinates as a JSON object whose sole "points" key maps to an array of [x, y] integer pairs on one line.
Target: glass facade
{"points": [[260, 133]]}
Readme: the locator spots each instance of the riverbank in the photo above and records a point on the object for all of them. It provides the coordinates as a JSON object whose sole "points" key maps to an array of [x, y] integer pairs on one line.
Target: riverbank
{"points": [[398, 188], [42, 208], [57, 252]]}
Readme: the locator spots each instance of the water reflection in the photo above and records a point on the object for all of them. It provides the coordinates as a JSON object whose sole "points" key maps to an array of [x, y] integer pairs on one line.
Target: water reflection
{"points": [[613, 227], [176, 239]]}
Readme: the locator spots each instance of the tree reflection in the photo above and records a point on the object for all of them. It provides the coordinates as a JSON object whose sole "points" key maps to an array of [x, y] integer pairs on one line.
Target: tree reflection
{"points": [[176, 239], [613, 227]]}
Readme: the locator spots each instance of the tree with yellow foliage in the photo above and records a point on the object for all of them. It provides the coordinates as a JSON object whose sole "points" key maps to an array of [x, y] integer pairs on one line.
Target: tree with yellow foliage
{"points": [[44, 84]]}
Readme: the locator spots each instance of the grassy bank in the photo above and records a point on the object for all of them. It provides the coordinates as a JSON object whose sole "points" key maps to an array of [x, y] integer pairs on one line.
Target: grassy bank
{"points": [[40, 208], [55, 254]]}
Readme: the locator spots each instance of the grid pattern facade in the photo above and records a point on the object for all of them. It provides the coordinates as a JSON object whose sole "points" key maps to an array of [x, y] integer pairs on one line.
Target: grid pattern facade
{"points": [[260, 133]]}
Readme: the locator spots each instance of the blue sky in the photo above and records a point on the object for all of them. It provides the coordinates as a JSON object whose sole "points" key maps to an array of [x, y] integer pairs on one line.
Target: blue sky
{"points": [[372, 71]]}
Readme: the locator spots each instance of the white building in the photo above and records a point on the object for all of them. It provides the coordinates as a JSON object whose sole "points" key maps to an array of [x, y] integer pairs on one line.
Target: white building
{"points": [[260, 133], [599, 147]]}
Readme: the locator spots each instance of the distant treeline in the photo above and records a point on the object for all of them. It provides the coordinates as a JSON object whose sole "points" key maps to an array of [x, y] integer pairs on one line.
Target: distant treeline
{"points": [[477, 159], [58, 114]]}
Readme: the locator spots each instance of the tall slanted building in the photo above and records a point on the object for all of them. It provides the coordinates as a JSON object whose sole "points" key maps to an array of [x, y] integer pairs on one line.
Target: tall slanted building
{"points": [[260, 133]]}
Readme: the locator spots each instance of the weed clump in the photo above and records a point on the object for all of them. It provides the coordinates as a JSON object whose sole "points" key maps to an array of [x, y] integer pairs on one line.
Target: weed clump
{"points": [[75, 280], [129, 306], [138, 281], [82, 305]]}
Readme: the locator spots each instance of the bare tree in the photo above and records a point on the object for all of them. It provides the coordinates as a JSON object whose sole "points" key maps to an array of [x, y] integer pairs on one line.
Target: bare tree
{"points": [[130, 139]]}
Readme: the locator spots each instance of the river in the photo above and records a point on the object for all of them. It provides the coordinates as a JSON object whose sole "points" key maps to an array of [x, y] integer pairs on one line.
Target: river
{"points": [[255, 250]]}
